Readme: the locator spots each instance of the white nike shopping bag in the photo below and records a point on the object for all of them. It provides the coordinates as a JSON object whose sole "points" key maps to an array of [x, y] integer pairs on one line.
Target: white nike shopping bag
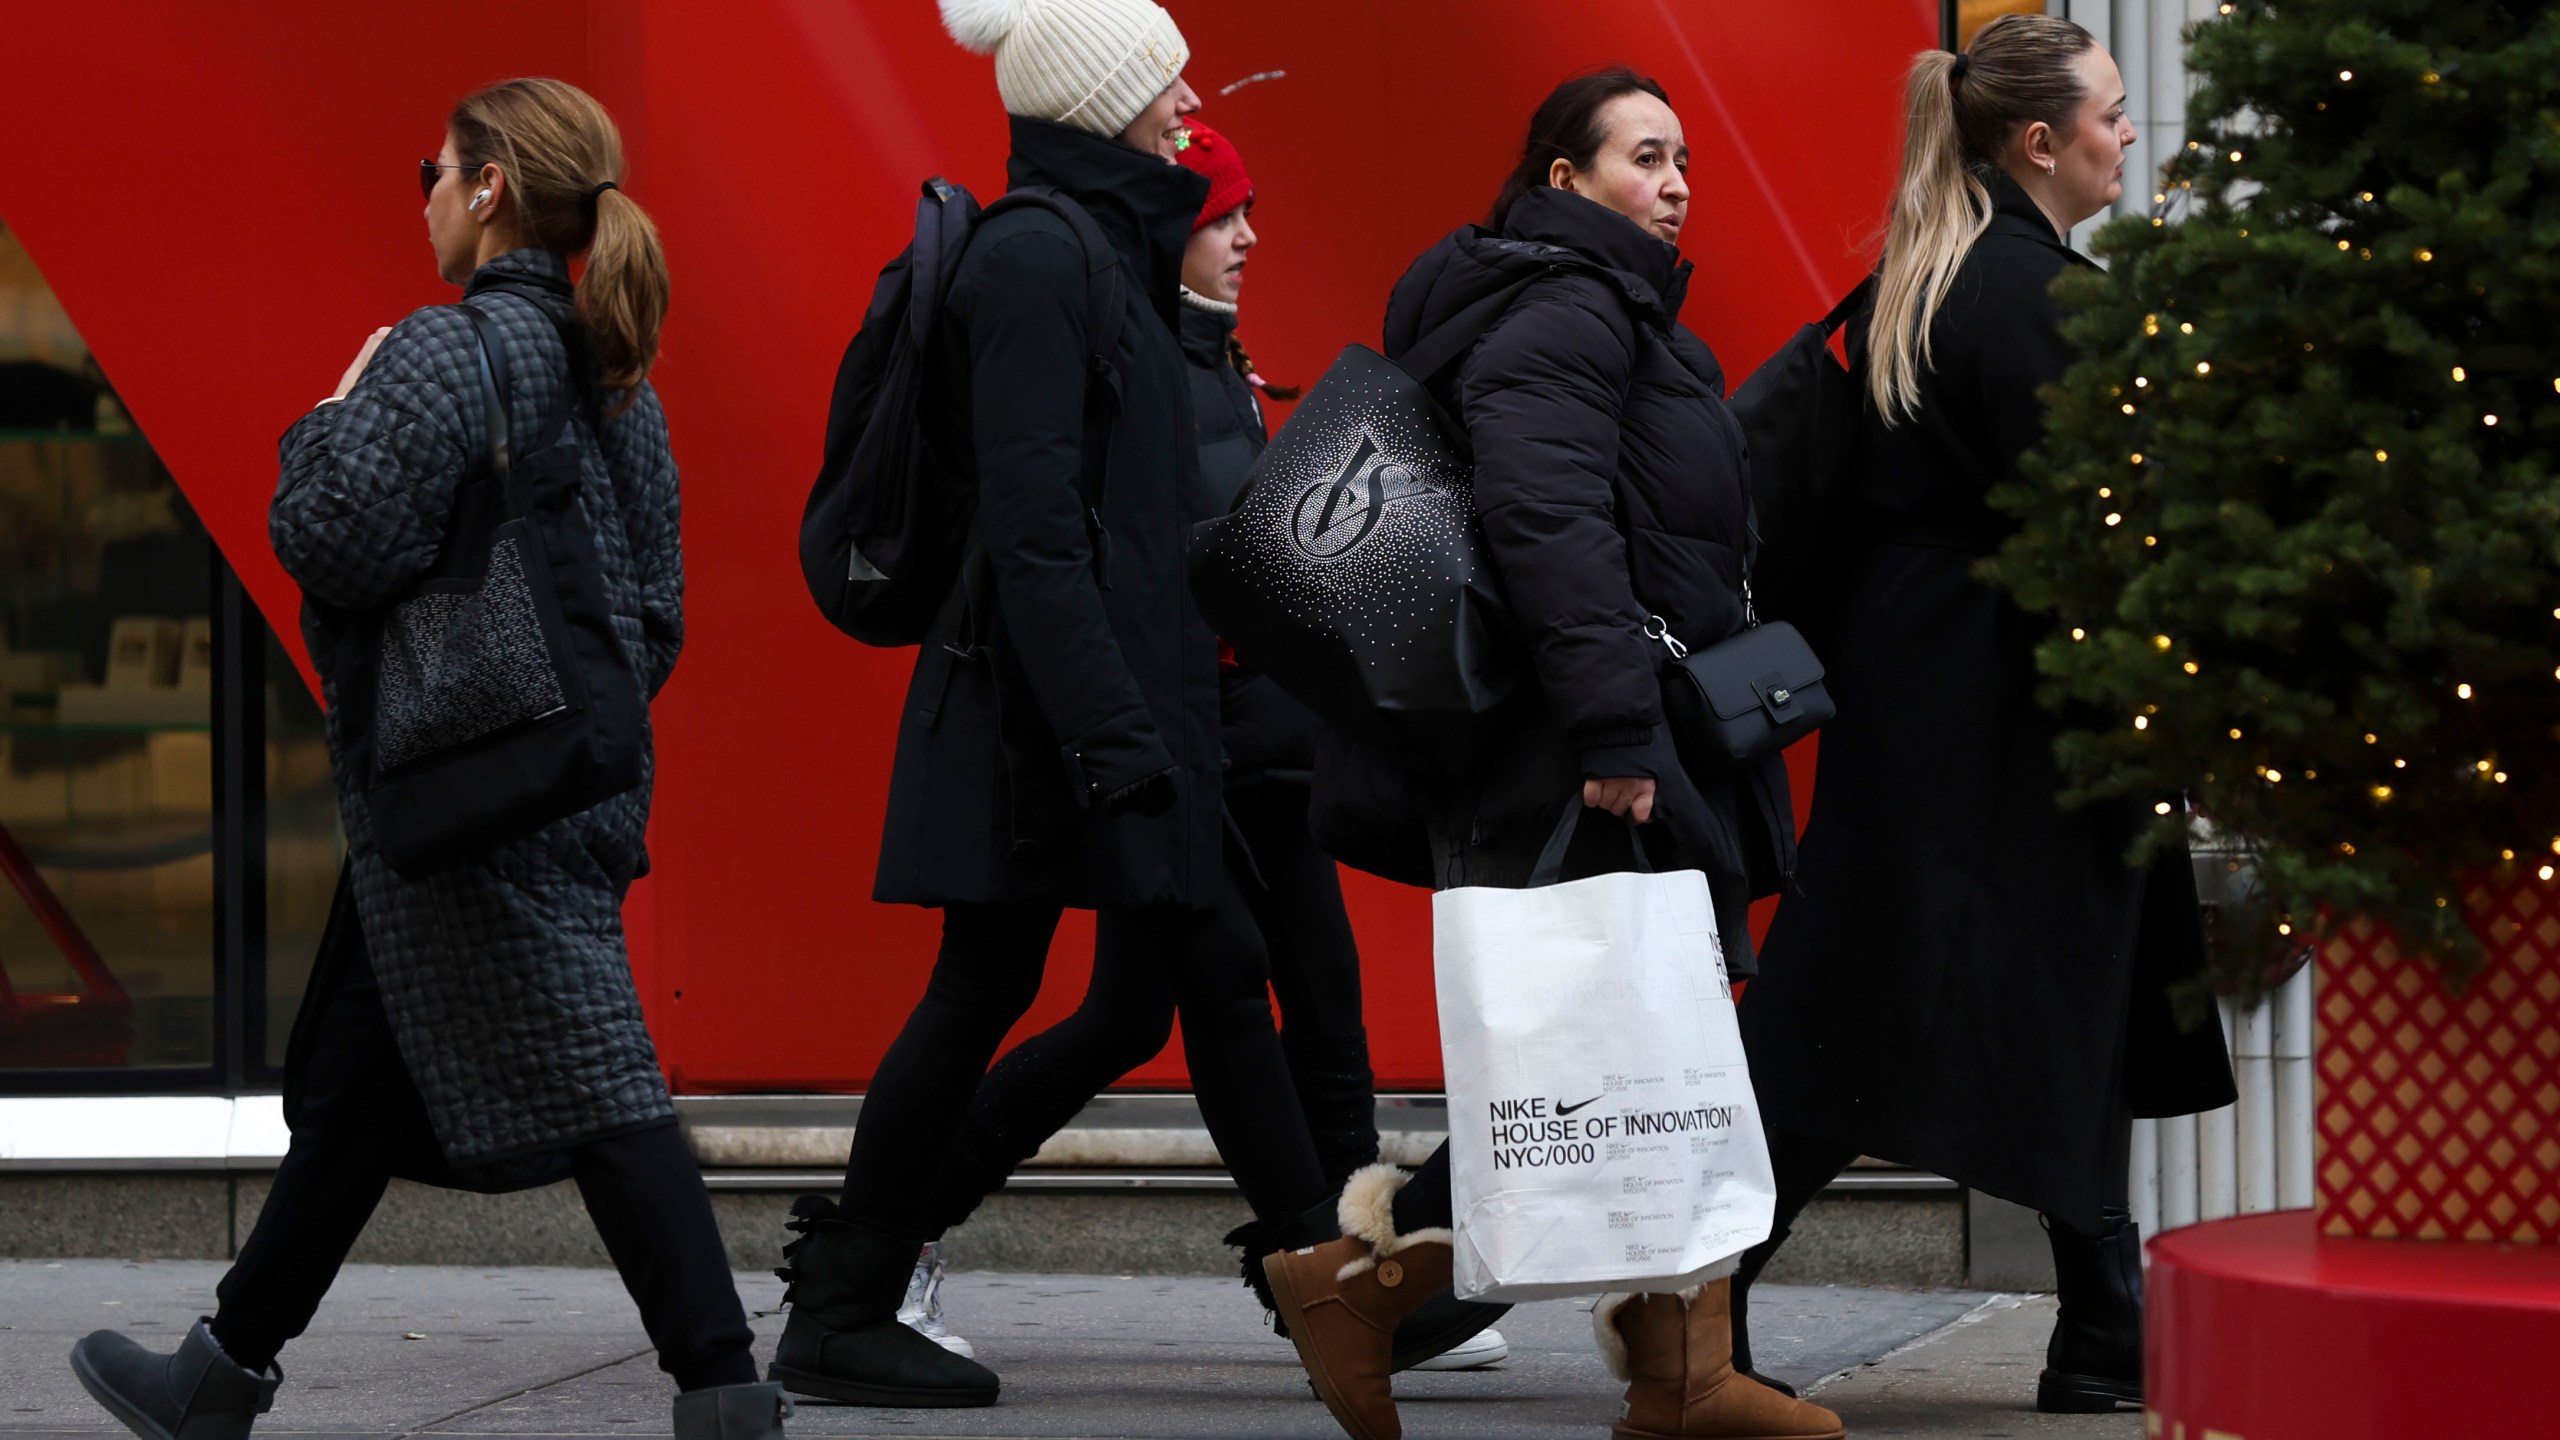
{"points": [[1602, 1129]]}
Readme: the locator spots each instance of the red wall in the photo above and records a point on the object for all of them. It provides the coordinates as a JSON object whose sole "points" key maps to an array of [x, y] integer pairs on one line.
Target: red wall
{"points": [[224, 199]]}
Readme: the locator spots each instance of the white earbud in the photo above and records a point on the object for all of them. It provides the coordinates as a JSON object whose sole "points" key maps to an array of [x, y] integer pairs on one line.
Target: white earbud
{"points": [[478, 200]]}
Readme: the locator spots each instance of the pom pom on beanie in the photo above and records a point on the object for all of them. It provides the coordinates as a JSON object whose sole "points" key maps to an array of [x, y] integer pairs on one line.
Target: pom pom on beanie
{"points": [[1090, 64], [1214, 156]]}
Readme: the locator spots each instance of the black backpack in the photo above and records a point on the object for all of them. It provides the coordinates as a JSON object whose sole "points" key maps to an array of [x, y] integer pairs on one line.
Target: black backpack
{"points": [[888, 529]]}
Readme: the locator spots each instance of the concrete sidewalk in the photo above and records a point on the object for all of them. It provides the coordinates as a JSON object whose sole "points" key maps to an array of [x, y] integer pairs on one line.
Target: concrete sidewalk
{"points": [[403, 1350]]}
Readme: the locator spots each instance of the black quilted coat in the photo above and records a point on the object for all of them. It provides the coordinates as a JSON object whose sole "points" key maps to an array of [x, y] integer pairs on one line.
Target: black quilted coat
{"points": [[1611, 484], [1086, 684], [506, 981]]}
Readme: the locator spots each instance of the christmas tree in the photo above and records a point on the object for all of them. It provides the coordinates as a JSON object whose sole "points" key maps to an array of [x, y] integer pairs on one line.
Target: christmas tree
{"points": [[2296, 515]]}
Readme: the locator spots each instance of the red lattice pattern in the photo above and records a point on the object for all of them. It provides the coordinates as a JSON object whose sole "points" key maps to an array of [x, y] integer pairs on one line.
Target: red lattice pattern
{"points": [[2440, 1113]]}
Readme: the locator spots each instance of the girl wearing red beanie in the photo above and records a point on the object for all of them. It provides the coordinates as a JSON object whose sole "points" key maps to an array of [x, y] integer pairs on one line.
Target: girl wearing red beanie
{"points": [[1270, 743]]}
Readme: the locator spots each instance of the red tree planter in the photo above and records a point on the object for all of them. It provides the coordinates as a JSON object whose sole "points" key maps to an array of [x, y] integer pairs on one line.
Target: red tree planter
{"points": [[2439, 1112]]}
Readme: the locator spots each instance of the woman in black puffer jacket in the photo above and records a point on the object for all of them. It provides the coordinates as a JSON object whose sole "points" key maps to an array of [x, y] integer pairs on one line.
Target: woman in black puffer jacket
{"points": [[1612, 486]]}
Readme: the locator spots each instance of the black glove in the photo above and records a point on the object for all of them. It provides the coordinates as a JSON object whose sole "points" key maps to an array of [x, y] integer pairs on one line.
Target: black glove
{"points": [[1149, 797]]}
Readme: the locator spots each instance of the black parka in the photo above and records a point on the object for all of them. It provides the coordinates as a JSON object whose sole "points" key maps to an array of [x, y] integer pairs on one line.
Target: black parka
{"points": [[1612, 486], [1970, 975], [1090, 679]]}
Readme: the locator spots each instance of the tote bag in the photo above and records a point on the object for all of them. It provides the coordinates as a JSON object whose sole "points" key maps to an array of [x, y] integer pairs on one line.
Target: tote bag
{"points": [[495, 697], [1352, 570], [1602, 1130]]}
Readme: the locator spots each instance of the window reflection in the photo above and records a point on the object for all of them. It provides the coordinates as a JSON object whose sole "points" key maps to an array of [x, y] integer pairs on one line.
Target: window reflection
{"points": [[107, 857]]}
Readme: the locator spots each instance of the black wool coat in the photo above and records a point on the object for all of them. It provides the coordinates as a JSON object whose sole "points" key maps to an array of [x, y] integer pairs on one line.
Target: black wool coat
{"points": [[1086, 682], [1612, 485], [1267, 735], [1969, 977]]}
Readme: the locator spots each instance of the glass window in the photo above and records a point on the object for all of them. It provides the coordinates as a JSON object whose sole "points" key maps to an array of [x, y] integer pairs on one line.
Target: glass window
{"points": [[304, 843], [109, 651]]}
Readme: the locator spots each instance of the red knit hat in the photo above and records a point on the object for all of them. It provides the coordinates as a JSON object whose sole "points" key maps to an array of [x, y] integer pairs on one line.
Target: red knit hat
{"points": [[1213, 155]]}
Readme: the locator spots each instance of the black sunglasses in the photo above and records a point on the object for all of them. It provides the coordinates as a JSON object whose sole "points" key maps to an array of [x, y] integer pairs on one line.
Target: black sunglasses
{"points": [[427, 176]]}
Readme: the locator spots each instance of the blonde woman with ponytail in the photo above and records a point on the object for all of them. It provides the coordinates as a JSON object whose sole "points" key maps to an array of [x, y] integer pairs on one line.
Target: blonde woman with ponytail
{"points": [[478, 1027], [1969, 980]]}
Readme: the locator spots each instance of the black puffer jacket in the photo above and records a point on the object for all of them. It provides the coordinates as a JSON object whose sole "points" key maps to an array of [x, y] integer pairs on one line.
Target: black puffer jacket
{"points": [[1081, 689], [1268, 736], [1612, 486]]}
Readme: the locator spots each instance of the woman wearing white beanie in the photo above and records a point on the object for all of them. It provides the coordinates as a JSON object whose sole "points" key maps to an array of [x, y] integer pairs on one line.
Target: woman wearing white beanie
{"points": [[1059, 748], [1094, 65]]}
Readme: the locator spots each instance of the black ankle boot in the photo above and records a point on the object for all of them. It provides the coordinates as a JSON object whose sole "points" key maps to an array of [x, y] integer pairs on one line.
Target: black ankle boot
{"points": [[2094, 1361], [196, 1394], [843, 1341], [732, 1412], [1258, 1238]]}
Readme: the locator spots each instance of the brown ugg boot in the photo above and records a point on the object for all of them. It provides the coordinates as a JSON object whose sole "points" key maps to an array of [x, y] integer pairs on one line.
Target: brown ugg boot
{"points": [[1343, 1299], [1676, 1354]]}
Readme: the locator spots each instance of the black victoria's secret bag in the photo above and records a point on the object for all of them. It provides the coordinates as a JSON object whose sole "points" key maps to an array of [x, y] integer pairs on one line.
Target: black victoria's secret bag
{"points": [[494, 697], [1352, 570]]}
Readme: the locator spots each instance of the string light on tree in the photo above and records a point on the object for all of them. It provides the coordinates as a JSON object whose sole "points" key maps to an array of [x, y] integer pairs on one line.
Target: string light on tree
{"points": [[2282, 562]]}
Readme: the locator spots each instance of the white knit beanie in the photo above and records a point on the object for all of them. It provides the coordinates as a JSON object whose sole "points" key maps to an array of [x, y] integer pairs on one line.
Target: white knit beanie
{"points": [[1091, 64]]}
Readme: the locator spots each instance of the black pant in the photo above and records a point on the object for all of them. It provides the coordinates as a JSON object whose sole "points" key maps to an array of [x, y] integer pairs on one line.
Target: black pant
{"points": [[360, 1118], [939, 1130], [1294, 892]]}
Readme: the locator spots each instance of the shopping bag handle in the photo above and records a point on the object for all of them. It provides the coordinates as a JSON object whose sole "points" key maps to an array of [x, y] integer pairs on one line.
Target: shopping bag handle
{"points": [[1550, 867]]}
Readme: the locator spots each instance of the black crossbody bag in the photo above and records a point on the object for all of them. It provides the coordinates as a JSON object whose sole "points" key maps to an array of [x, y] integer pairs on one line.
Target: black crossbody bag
{"points": [[494, 697], [1749, 695]]}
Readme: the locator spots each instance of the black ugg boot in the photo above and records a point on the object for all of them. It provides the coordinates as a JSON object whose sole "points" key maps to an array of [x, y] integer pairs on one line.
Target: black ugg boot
{"points": [[732, 1412], [196, 1394], [1442, 1324], [843, 1341], [2094, 1361], [1339, 1095]]}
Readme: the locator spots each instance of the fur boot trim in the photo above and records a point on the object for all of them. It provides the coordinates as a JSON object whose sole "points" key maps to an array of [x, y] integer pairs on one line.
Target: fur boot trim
{"points": [[1368, 1212], [1604, 1328], [1604, 1315]]}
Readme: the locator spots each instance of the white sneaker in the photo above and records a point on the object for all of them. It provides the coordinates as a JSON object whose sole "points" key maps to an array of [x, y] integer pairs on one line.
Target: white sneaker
{"points": [[922, 1310], [1485, 1347]]}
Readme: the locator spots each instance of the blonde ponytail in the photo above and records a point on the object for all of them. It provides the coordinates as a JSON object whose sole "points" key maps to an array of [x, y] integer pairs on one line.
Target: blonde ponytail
{"points": [[1960, 114], [562, 156]]}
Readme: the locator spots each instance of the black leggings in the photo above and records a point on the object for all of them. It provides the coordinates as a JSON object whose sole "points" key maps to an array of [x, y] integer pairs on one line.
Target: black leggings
{"points": [[360, 1116], [1294, 892], [975, 1125]]}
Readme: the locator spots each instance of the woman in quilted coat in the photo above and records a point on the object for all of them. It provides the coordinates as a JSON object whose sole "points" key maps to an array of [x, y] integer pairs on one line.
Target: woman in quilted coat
{"points": [[478, 1026]]}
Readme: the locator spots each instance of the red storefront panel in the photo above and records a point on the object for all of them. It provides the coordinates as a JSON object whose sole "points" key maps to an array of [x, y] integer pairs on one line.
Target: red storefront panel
{"points": [[224, 199]]}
